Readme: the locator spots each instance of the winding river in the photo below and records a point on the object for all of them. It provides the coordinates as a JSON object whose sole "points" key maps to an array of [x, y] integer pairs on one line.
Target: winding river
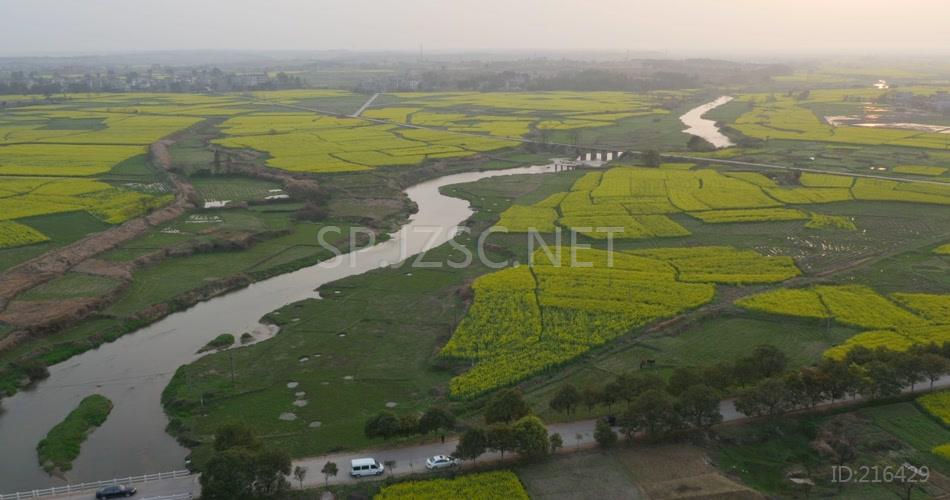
{"points": [[133, 370], [705, 128]]}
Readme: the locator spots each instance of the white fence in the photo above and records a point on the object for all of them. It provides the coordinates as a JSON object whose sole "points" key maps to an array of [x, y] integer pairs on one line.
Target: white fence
{"points": [[179, 496], [75, 488]]}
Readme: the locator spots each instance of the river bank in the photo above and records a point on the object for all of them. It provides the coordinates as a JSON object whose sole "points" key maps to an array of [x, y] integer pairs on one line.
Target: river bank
{"points": [[133, 370]]}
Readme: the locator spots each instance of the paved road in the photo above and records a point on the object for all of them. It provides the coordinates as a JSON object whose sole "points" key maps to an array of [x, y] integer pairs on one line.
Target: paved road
{"points": [[155, 490], [578, 434], [365, 105], [411, 459]]}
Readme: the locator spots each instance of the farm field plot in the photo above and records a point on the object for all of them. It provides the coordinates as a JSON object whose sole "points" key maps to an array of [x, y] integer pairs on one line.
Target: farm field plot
{"points": [[531, 318], [889, 325], [22, 197], [88, 154], [787, 117], [66, 227], [483, 485], [638, 201], [306, 142], [883, 435], [455, 125], [921, 170], [70, 286], [15, 235], [235, 189], [579, 475]]}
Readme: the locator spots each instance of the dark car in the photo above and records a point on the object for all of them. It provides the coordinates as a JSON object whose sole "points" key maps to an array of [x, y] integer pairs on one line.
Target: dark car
{"points": [[115, 491]]}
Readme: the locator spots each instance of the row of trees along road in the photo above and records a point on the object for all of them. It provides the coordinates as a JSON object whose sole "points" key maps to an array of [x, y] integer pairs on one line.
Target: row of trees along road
{"points": [[762, 384]]}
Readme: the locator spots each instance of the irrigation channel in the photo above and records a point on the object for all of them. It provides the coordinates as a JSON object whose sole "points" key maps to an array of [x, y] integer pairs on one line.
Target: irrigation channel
{"points": [[133, 370]]}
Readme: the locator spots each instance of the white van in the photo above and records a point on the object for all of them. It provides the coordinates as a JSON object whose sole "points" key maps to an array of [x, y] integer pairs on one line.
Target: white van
{"points": [[360, 467]]}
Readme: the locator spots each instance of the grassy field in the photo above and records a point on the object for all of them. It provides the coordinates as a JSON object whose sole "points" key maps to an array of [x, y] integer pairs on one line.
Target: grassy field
{"points": [[166, 280], [261, 395], [70, 286], [383, 329], [65, 227], [762, 454], [61, 445], [630, 472]]}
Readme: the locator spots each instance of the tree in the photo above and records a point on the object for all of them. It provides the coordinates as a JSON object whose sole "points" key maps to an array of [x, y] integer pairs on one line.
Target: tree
{"points": [[384, 424], [234, 436], [471, 445], [329, 470], [767, 398], [299, 474], [909, 367], [591, 397], [506, 406], [814, 386], [652, 412], [501, 437], [699, 405], [764, 362], [227, 475], [683, 378], [408, 424], [532, 438], [933, 366], [566, 399], [651, 158], [241, 467], [610, 394], [271, 467], [840, 378], [604, 435], [880, 380], [631, 385], [557, 442], [436, 419]]}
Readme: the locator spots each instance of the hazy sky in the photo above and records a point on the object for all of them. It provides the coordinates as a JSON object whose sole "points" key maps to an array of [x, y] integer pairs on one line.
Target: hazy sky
{"points": [[785, 26]]}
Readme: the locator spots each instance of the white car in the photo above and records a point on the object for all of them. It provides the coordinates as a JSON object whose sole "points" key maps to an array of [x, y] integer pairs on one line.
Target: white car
{"points": [[441, 462]]}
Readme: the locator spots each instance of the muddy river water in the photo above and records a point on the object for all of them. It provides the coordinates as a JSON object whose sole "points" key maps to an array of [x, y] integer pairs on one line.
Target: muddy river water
{"points": [[133, 370], [703, 127]]}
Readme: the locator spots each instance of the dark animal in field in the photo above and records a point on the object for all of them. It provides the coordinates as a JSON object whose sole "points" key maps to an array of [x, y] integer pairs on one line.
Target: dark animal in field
{"points": [[647, 363]]}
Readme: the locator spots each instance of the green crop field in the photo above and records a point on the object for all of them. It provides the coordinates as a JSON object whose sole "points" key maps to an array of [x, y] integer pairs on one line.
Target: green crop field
{"points": [[634, 203], [528, 319], [889, 325], [235, 189], [784, 117], [499, 484]]}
